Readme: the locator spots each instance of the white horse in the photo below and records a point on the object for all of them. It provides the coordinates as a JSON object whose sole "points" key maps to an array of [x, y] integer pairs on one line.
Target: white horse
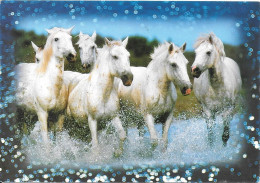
{"points": [[46, 90], [95, 98], [217, 82], [38, 52], [70, 78], [153, 93], [88, 56], [87, 50]]}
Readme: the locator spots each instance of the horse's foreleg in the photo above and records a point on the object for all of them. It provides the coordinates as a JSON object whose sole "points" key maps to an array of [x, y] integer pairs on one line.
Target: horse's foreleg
{"points": [[59, 124], [42, 117], [93, 130], [149, 119], [121, 132], [166, 127], [210, 125], [227, 117], [141, 129]]}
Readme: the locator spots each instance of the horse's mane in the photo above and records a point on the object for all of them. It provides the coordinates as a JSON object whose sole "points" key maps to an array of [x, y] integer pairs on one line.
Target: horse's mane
{"points": [[160, 51], [48, 51], [214, 40]]}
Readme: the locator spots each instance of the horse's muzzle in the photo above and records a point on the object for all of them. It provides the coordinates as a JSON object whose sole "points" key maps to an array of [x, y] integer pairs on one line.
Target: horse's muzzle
{"points": [[195, 71], [127, 79], [186, 91], [71, 57], [86, 66]]}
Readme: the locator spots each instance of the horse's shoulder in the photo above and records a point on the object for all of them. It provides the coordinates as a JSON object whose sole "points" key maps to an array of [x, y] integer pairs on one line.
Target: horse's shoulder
{"points": [[231, 68], [230, 63]]}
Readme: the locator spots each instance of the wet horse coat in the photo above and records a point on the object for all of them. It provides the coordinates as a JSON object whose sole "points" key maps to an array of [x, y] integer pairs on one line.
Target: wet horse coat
{"points": [[46, 90], [152, 93], [94, 97], [217, 82]]}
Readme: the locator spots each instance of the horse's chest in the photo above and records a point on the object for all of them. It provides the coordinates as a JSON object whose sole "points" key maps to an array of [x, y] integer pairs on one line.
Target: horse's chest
{"points": [[50, 95], [215, 97], [158, 104], [100, 107]]}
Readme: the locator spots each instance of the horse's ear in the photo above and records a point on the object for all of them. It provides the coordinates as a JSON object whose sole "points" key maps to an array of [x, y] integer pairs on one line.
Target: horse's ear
{"points": [[49, 31], [210, 39], [170, 48], [108, 43], [183, 47], [80, 34], [94, 36], [70, 29], [35, 47], [125, 42]]}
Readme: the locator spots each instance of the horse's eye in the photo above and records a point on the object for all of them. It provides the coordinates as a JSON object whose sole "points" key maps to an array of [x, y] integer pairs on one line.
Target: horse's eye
{"points": [[174, 65], [208, 53], [80, 48], [115, 57], [37, 60], [56, 39]]}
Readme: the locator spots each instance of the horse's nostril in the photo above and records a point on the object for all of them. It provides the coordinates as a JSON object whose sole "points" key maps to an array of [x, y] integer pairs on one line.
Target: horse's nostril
{"points": [[71, 57], [86, 66], [196, 69]]}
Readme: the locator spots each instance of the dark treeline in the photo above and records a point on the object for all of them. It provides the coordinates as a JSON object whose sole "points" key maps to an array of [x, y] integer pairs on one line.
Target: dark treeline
{"points": [[139, 47]]}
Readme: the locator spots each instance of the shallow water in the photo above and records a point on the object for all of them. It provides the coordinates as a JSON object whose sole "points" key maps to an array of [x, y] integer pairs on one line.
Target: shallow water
{"points": [[187, 145]]}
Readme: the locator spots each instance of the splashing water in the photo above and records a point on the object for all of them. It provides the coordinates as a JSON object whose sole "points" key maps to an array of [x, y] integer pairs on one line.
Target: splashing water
{"points": [[187, 145]]}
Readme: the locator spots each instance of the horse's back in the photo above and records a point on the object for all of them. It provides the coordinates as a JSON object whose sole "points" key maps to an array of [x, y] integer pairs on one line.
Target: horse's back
{"points": [[231, 75], [71, 79]]}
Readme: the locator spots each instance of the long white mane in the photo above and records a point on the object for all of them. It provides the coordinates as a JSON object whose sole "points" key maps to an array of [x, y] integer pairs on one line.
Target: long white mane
{"points": [[212, 39], [161, 52]]}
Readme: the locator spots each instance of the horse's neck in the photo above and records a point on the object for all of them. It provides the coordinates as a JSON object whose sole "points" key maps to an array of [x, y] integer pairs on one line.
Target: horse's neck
{"points": [[215, 73], [157, 79], [101, 80], [52, 68]]}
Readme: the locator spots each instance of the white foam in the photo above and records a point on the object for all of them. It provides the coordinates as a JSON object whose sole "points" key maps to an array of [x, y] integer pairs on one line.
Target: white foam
{"points": [[187, 145]]}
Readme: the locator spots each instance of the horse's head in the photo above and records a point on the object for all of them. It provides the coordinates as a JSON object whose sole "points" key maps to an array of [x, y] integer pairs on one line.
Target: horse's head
{"points": [[208, 50], [38, 52], [87, 50], [60, 41], [119, 61], [176, 68]]}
